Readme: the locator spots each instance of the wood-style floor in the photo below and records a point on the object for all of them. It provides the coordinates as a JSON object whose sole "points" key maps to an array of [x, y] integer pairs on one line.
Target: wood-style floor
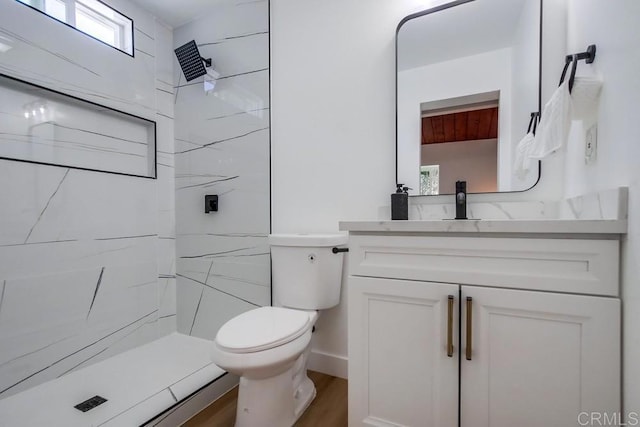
{"points": [[329, 408]]}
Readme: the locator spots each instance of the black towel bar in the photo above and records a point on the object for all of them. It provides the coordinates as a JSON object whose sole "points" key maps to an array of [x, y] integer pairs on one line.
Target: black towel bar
{"points": [[589, 56], [533, 122]]}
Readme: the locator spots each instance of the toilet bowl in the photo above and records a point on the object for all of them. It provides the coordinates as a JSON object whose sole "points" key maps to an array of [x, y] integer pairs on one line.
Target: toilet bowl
{"points": [[271, 362], [269, 347]]}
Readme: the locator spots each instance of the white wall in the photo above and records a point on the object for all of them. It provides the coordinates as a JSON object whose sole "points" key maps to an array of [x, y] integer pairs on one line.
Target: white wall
{"points": [[524, 91], [613, 27], [222, 147], [333, 124], [86, 258], [473, 161], [333, 128], [484, 72]]}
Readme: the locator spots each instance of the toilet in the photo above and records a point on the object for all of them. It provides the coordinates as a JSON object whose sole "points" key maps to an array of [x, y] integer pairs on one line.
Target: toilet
{"points": [[269, 347]]}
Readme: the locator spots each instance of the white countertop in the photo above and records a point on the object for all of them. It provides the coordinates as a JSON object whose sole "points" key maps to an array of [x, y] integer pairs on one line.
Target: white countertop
{"points": [[545, 226]]}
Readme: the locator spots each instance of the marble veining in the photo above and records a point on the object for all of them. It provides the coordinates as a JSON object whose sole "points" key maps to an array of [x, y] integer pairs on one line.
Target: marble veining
{"points": [[204, 284], [138, 30], [145, 53], [229, 76], [4, 285], [15, 36], [62, 85], [83, 362], [41, 126], [44, 347], [142, 236], [56, 362], [226, 39], [74, 59], [38, 243], [503, 227], [139, 384], [215, 254], [90, 132], [195, 315], [222, 147], [208, 183], [605, 205], [220, 141], [26, 240], [612, 203], [87, 259], [239, 113], [95, 293]]}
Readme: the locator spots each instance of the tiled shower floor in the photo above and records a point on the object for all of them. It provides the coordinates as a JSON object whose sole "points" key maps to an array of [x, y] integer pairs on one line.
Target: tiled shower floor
{"points": [[138, 384]]}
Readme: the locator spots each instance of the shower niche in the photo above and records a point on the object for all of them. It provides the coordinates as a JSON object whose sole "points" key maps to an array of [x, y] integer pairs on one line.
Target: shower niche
{"points": [[43, 126]]}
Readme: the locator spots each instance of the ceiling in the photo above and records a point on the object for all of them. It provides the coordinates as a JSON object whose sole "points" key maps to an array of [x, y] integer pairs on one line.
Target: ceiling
{"points": [[177, 12], [468, 29], [471, 125]]}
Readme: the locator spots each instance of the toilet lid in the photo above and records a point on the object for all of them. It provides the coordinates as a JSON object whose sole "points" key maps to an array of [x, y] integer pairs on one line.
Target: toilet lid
{"points": [[262, 329]]}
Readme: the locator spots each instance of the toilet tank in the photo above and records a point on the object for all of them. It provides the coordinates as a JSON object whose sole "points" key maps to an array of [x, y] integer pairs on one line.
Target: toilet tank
{"points": [[305, 273]]}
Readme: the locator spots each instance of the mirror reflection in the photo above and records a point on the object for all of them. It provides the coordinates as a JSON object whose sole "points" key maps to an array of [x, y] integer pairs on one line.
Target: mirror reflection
{"points": [[468, 76]]}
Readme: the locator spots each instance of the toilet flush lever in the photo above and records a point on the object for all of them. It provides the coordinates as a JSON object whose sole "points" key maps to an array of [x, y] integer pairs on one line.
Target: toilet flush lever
{"points": [[339, 250]]}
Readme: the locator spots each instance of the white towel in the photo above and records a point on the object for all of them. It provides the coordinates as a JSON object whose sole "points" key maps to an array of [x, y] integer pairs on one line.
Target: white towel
{"points": [[523, 161], [553, 129], [585, 97]]}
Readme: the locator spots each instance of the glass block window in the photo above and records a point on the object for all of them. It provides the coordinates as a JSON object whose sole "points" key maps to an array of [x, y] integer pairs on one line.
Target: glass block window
{"points": [[430, 180], [91, 17]]}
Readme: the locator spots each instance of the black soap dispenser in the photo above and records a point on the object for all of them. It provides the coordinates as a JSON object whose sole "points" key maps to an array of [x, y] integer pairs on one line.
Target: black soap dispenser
{"points": [[400, 203], [461, 199]]}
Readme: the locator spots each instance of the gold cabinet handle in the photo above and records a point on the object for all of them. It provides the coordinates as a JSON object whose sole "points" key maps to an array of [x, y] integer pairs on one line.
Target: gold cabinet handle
{"points": [[450, 326], [469, 328]]}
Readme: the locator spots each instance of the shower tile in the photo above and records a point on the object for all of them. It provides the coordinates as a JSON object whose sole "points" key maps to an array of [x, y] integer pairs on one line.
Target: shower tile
{"points": [[21, 210], [189, 296], [166, 257], [215, 309], [87, 259], [136, 384], [167, 297], [57, 299], [76, 64], [47, 257], [63, 356], [222, 147]]}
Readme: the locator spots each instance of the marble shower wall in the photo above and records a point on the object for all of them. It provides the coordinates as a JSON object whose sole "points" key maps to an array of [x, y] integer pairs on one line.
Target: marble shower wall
{"points": [[222, 147], [87, 259]]}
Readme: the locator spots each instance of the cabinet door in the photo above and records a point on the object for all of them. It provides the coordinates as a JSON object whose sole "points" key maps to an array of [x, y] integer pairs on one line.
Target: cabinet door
{"points": [[538, 359], [399, 371]]}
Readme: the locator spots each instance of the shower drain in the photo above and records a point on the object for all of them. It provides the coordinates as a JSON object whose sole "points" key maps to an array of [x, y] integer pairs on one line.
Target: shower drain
{"points": [[91, 403]]}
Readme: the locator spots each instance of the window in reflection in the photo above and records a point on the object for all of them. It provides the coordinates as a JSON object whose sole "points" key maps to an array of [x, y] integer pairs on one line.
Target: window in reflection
{"points": [[430, 180]]}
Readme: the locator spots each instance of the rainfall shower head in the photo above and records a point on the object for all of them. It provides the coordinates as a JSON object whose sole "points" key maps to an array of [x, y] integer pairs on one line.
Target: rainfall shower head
{"points": [[191, 62]]}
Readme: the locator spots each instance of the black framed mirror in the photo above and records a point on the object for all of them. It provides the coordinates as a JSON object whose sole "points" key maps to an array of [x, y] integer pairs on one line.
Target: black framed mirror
{"points": [[468, 78]]}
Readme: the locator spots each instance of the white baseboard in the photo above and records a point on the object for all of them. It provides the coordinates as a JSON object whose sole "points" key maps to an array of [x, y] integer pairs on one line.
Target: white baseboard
{"points": [[192, 405], [327, 363]]}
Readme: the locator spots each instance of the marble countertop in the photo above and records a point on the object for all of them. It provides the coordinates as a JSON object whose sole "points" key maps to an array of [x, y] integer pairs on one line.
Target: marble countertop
{"points": [[520, 226]]}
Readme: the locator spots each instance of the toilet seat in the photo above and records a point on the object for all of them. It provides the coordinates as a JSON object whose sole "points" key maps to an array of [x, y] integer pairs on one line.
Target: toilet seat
{"points": [[262, 329]]}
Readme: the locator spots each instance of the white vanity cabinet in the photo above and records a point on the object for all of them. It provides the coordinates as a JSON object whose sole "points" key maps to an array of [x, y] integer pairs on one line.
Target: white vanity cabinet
{"points": [[538, 358], [542, 343], [399, 371]]}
